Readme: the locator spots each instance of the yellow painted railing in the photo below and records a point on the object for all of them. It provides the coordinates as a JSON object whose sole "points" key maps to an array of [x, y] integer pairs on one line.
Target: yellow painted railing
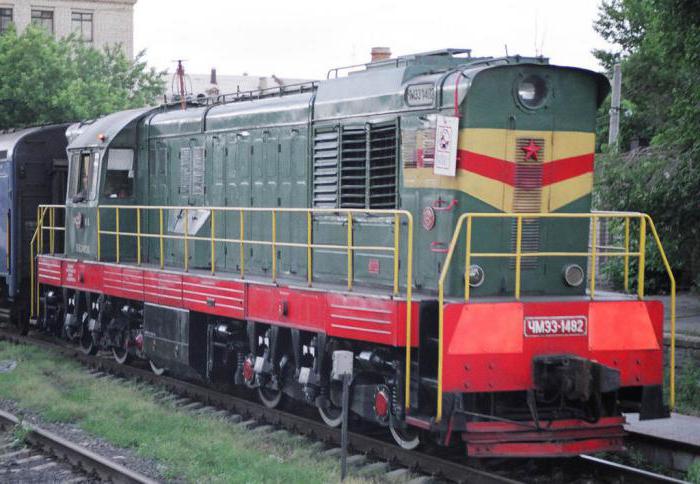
{"points": [[643, 219], [398, 217], [36, 246]]}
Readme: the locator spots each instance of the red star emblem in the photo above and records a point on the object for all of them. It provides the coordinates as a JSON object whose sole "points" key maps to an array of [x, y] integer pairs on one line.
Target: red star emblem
{"points": [[531, 150]]}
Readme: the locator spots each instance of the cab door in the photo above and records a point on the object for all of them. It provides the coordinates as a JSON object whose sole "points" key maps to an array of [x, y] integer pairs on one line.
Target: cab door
{"points": [[81, 230]]}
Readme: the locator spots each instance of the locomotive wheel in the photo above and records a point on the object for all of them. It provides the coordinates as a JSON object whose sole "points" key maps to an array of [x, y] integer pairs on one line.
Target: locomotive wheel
{"points": [[406, 438], [332, 416], [121, 355], [156, 369], [270, 398], [87, 342]]}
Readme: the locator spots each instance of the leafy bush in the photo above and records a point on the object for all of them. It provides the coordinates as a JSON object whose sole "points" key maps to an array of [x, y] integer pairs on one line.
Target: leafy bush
{"points": [[44, 80], [665, 184]]}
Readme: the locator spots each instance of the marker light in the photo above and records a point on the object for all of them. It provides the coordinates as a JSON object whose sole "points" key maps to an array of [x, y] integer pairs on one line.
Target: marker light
{"points": [[573, 275]]}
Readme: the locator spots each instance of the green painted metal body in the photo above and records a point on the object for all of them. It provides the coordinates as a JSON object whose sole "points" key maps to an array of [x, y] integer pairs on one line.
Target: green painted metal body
{"points": [[260, 153]]}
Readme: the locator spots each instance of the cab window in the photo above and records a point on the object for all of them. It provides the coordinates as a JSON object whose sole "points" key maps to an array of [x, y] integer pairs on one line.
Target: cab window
{"points": [[83, 183], [119, 180]]}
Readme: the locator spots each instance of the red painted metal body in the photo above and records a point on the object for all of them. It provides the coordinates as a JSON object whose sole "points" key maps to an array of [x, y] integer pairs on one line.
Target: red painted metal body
{"points": [[380, 319], [560, 437], [488, 347]]}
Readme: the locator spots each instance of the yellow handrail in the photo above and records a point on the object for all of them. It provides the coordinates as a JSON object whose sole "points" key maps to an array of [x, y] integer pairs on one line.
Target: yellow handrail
{"points": [[518, 255]]}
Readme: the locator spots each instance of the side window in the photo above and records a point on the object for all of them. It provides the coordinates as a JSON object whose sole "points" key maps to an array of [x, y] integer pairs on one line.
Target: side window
{"points": [[119, 180], [84, 173]]}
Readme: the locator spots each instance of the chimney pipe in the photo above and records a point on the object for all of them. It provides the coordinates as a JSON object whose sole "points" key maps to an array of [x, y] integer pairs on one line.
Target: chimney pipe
{"points": [[213, 76], [380, 53]]}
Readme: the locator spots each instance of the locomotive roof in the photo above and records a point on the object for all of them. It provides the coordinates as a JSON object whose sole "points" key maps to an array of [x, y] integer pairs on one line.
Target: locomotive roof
{"points": [[84, 135], [377, 89]]}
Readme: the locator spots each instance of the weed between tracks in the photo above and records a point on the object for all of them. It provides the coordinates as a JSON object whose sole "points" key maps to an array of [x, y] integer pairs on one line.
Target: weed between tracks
{"points": [[688, 389], [192, 448]]}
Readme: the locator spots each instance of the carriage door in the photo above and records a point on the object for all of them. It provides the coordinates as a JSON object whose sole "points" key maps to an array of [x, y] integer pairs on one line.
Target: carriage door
{"points": [[238, 193]]}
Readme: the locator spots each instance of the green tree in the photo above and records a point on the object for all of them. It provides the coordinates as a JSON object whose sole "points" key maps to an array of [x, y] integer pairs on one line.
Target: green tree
{"points": [[657, 43], [43, 80]]}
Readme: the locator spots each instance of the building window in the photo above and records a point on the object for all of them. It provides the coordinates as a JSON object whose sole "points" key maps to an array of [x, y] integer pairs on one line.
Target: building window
{"points": [[82, 25], [43, 19], [5, 19]]}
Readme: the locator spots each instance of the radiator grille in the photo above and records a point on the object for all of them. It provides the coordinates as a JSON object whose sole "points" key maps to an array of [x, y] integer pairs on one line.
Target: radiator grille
{"points": [[325, 160], [185, 171], [527, 197], [355, 166], [353, 172], [382, 169]]}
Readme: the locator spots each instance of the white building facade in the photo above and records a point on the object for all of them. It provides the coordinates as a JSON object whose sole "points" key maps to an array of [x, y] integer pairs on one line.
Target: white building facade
{"points": [[98, 22]]}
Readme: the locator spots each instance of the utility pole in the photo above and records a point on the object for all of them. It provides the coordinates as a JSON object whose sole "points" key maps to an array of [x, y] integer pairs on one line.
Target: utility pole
{"points": [[615, 106]]}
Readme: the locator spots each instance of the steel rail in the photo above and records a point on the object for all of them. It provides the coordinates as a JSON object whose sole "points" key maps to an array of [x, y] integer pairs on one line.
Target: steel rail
{"points": [[626, 472], [89, 461], [382, 450], [388, 451]]}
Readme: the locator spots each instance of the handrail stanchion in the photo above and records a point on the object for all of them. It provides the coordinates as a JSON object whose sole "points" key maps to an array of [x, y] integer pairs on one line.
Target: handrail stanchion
{"points": [[518, 254], [186, 239], [41, 231], [213, 242], [467, 259], [117, 235], [52, 215], [441, 312], [626, 274], [274, 245], [309, 242], [99, 233], [160, 237], [397, 230], [409, 305], [31, 270], [350, 242], [594, 252], [672, 280], [642, 257], [8, 245], [241, 238], [138, 236]]}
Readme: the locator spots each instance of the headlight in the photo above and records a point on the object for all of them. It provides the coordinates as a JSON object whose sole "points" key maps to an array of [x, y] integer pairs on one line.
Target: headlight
{"points": [[532, 91], [476, 275], [573, 275]]}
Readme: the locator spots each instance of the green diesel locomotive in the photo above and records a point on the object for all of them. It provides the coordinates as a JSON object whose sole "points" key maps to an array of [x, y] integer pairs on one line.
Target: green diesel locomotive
{"points": [[429, 213]]}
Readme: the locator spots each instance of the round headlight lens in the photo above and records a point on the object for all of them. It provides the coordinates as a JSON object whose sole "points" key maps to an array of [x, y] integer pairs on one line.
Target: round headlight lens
{"points": [[476, 275], [573, 275], [532, 91]]}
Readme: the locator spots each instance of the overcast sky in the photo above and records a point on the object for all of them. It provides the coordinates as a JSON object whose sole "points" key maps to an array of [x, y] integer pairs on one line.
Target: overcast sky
{"points": [[304, 38]]}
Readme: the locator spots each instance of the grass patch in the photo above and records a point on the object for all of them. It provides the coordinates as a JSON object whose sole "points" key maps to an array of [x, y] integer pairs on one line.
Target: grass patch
{"points": [[193, 448], [687, 388], [693, 474]]}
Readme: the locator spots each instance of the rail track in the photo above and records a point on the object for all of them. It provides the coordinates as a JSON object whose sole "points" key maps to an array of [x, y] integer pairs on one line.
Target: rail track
{"points": [[43, 456], [375, 449]]}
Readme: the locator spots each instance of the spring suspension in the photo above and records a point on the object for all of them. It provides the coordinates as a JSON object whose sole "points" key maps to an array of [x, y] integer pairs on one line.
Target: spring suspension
{"points": [[396, 407]]}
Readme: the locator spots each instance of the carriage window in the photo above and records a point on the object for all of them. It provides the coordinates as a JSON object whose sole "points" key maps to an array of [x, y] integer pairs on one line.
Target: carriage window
{"points": [[119, 182], [84, 171]]}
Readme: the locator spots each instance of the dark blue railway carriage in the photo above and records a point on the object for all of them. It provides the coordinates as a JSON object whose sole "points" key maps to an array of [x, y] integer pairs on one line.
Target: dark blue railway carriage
{"points": [[33, 171]]}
